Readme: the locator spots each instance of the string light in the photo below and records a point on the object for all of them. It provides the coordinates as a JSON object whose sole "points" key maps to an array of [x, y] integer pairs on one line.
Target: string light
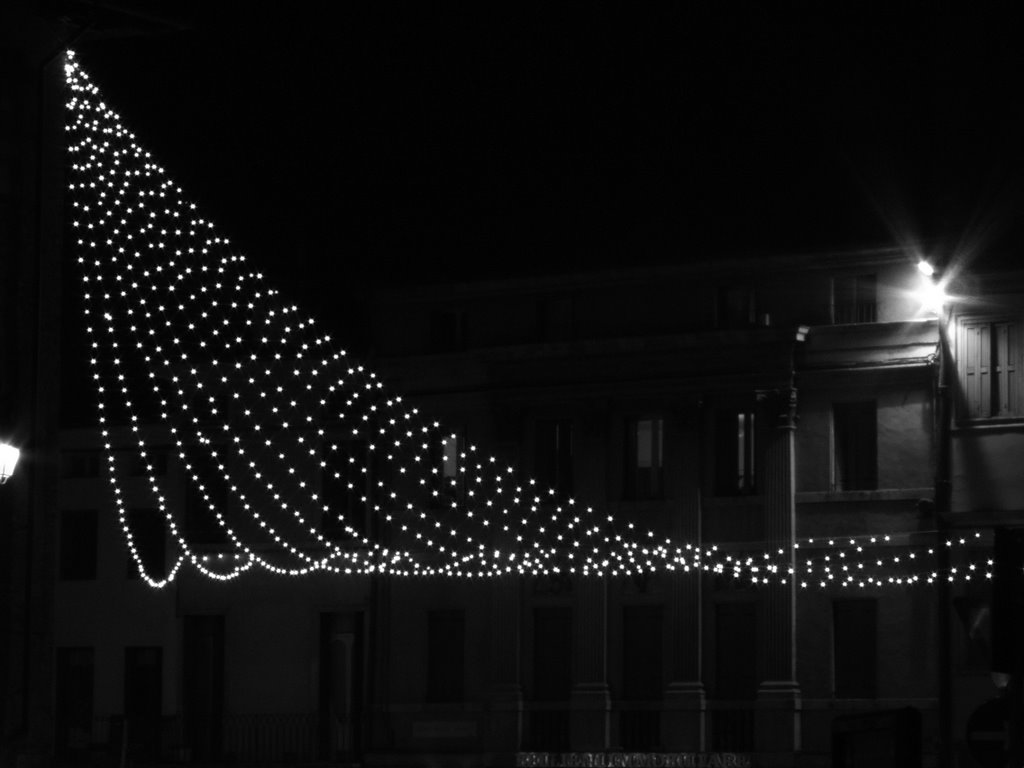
{"points": [[271, 424]]}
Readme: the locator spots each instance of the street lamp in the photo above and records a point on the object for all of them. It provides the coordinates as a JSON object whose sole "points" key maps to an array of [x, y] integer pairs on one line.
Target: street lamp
{"points": [[932, 295], [932, 292], [8, 460]]}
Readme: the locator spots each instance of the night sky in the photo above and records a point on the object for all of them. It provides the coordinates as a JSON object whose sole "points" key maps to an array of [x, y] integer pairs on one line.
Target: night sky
{"points": [[341, 145]]}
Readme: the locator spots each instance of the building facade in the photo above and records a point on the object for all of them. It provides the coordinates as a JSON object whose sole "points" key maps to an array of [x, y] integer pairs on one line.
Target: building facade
{"points": [[31, 226], [740, 407]]}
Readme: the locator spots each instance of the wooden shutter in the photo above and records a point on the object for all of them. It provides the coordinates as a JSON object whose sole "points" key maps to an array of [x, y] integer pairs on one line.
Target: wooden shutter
{"points": [[1005, 368], [989, 362], [985, 369], [974, 375]]}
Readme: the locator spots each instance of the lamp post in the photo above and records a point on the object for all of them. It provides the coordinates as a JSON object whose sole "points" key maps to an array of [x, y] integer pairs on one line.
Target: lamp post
{"points": [[8, 461], [1009, 678], [943, 504], [933, 300]]}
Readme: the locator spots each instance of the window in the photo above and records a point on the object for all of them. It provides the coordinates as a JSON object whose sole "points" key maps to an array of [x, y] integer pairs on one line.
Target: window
{"points": [[448, 331], [448, 471], [345, 489], [155, 462], [78, 544], [553, 458], [147, 527], [854, 648], [989, 367], [736, 307], [73, 715], [855, 446], [735, 453], [201, 525], [80, 464], [854, 299], [644, 475], [446, 655]]}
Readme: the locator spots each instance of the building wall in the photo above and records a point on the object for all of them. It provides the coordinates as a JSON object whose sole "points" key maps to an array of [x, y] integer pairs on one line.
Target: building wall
{"points": [[647, 345], [985, 444], [31, 229], [891, 361], [905, 428], [987, 498]]}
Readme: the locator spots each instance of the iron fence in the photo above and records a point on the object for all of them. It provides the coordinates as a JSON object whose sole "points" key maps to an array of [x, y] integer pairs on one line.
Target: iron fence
{"points": [[730, 726], [546, 727], [296, 739]]}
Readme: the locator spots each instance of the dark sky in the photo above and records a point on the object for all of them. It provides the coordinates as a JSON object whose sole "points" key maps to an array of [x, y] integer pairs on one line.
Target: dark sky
{"points": [[339, 144]]}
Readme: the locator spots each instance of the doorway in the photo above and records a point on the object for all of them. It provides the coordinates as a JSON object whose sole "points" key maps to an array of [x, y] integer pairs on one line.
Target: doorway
{"points": [[340, 715], [203, 686]]}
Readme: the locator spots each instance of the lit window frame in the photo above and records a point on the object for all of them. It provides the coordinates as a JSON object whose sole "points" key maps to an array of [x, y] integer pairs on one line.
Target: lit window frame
{"points": [[1012, 375]]}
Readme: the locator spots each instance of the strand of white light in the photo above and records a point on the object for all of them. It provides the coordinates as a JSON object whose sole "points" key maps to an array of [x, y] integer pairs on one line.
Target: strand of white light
{"points": [[170, 519], [617, 555], [208, 241], [112, 467]]}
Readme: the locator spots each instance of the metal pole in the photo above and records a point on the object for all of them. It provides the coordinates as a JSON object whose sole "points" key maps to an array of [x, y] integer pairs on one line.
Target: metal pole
{"points": [[943, 493]]}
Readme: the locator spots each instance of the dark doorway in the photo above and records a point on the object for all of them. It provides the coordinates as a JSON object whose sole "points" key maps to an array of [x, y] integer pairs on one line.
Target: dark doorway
{"points": [[552, 678], [341, 686], [143, 701], [203, 686], [446, 656], [640, 721], [736, 676], [74, 714]]}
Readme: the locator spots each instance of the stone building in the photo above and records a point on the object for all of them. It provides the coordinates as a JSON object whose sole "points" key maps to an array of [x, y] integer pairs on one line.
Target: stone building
{"points": [[739, 406]]}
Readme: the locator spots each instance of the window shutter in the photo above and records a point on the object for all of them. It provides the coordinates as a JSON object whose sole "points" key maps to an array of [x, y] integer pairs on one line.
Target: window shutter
{"points": [[985, 370], [1005, 364], [971, 369], [990, 366]]}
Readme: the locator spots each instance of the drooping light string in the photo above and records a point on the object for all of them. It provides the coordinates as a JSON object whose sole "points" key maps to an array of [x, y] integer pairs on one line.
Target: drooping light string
{"points": [[170, 354], [265, 416]]}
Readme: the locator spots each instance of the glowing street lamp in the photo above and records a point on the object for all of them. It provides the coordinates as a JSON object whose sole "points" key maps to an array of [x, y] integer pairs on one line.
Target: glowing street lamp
{"points": [[931, 293], [8, 460], [933, 297]]}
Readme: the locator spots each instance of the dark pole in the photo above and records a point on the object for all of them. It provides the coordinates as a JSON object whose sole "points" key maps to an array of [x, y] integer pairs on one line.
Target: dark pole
{"points": [[1008, 631], [943, 493]]}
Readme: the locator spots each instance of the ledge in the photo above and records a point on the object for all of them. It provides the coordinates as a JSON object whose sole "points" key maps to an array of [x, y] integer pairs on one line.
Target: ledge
{"points": [[882, 494], [988, 426], [868, 705]]}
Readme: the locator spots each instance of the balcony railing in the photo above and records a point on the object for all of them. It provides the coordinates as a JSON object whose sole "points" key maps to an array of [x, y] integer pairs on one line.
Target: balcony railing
{"points": [[308, 738], [730, 726], [639, 726], [546, 727], [267, 739], [855, 312]]}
